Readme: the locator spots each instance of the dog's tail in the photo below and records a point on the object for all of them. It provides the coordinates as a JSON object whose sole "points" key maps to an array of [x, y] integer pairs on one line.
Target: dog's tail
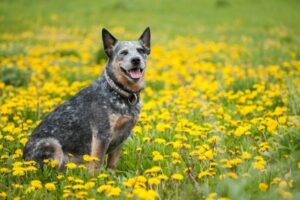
{"points": [[45, 148]]}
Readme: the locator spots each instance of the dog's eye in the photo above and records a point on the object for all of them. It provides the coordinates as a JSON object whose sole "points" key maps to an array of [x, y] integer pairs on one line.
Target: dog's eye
{"points": [[124, 52], [142, 51]]}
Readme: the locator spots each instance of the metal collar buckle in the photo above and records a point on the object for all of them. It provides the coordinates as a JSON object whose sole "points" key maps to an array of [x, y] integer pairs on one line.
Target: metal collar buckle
{"points": [[133, 99]]}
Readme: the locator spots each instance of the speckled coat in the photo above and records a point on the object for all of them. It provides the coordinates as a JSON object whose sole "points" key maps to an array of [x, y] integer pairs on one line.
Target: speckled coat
{"points": [[96, 121]]}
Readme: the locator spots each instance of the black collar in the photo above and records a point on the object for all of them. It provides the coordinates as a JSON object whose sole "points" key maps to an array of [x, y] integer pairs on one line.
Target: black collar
{"points": [[132, 97]]}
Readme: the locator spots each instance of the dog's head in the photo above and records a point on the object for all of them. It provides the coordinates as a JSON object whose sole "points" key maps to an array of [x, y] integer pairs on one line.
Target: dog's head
{"points": [[127, 59]]}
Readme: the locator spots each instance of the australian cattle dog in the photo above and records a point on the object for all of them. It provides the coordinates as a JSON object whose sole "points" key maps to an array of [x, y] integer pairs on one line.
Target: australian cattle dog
{"points": [[99, 118]]}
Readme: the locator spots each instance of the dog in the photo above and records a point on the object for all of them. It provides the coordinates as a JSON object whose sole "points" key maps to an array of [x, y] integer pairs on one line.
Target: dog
{"points": [[99, 118]]}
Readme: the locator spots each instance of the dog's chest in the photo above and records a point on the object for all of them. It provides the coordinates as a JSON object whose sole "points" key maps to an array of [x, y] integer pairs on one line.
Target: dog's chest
{"points": [[121, 125]]}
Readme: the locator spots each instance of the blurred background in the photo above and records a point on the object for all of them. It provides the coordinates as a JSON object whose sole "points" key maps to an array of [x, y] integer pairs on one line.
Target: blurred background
{"points": [[212, 19]]}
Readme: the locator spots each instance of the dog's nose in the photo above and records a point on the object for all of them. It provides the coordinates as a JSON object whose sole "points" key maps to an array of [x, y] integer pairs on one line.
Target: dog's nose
{"points": [[136, 61]]}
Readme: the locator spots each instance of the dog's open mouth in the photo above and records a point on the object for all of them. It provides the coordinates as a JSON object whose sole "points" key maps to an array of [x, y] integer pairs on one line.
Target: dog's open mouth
{"points": [[134, 74]]}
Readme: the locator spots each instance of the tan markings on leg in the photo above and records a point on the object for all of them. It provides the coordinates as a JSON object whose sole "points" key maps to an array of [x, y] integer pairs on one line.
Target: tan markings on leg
{"points": [[132, 86], [96, 148], [113, 158], [58, 153], [59, 156]]}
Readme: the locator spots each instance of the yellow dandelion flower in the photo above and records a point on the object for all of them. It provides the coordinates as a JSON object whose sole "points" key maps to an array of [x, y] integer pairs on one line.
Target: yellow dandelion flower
{"points": [[232, 175], [109, 190], [282, 119], [89, 185], [271, 125], [31, 169], [137, 130], [3, 195], [246, 155], [209, 154], [162, 177], [128, 195], [29, 189], [71, 165], [211, 196], [53, 163], [282, 184], [78, 187], [138, 181], [17, 186], [81, 194], [103, 188], [263, 187], [153, 170], [146, 139], [154, 181], [50, 186], [114, 192], [110, 182], [223, 198], [67, 195], [144, 194], [36, 183], [160, 141], [157, 156], [103, 175], [177, 177], [23, 141], [5, 170], [89, 158], [59, 177], [175, 155], [204, 174], [286, 195]]}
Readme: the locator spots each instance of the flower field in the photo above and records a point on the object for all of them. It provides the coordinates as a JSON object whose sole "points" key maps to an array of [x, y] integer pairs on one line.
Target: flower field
{"points": [[220, 118]]}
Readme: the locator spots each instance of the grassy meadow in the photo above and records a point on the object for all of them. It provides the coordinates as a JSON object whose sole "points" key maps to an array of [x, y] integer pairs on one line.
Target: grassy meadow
{"points": [[220, 116]]}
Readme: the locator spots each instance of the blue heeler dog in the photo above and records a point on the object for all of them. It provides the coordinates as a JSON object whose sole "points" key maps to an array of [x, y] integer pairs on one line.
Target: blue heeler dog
{"points": [[100, 117]]}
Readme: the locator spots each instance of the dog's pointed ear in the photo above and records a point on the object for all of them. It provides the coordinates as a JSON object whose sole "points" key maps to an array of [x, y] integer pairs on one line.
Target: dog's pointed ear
{"points": [[145, 40], [109, 42]]}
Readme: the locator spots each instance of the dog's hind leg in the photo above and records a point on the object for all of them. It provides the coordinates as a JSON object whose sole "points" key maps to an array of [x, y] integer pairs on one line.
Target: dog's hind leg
{"points": [[45, 148]]}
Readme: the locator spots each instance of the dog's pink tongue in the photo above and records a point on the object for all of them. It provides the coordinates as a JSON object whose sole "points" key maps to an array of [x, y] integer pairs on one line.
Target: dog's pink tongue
{"points": [[135, 73]]}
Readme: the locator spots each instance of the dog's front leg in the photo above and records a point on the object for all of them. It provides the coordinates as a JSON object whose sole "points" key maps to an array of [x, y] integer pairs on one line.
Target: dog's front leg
{"points": [[113, 157], [98, 150]]}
